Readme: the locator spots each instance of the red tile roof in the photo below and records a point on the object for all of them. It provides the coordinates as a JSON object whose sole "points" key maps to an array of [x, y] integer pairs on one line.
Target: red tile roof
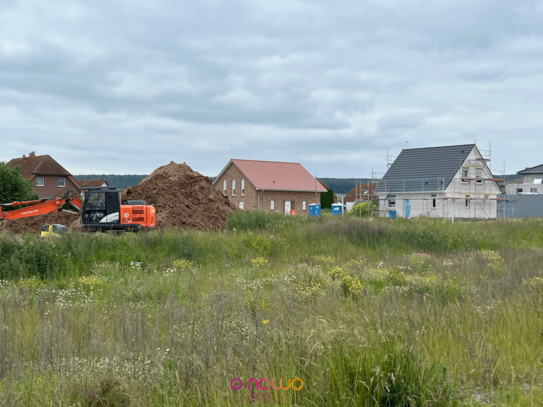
{"points": [[365, 192], [91, 183], [279, 176], [39, 165]]}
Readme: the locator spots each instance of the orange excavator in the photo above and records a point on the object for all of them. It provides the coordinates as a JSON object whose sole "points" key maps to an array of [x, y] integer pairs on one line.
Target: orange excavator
{"points": [[100, 210]]}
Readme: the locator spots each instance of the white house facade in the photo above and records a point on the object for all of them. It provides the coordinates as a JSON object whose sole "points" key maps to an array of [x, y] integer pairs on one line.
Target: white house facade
{"points": [[442, 182]]}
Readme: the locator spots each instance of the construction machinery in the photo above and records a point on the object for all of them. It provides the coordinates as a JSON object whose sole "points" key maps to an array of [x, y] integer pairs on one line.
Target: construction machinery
{"points": [[100, 210]]}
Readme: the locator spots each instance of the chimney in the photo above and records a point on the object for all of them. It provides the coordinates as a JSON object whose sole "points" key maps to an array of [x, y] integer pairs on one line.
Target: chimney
{"points": [[32, 154]]}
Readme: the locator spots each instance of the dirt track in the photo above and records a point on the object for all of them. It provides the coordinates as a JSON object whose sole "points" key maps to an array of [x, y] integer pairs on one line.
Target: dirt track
{"points": [[35, 223]]}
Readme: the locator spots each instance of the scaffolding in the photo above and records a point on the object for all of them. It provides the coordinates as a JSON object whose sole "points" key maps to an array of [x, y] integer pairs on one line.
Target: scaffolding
{"points": [[364, 192], [472, 184]]}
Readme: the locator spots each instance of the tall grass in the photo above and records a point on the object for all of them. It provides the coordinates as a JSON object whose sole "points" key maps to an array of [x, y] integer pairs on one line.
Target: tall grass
{"points": [[366, 313]]}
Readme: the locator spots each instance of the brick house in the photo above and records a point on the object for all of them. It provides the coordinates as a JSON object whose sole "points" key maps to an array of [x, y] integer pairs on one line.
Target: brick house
{"points": [[49, 177], [269, 185], [361, 192]]}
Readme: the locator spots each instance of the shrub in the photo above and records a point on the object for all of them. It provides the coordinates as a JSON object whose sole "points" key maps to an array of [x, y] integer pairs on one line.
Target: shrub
{"points": [[362, 209], [387, 375]]}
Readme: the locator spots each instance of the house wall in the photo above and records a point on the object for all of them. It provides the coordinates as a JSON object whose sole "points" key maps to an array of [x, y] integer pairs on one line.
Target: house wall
{"points": [[50, 187], [250, 198], [511, 189], [422, 203], [279, 197], [522, 206]]}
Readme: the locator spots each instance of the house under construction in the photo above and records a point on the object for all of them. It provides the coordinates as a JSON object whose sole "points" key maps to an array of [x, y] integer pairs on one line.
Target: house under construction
{"points": [[448, 181]]}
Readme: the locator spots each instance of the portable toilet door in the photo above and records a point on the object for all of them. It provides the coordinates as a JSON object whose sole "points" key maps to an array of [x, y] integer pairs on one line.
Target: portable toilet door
{"points": [[407, 208], [314, 210], [337, 209]]}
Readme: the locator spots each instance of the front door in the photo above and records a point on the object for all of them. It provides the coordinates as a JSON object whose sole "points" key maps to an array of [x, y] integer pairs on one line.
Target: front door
{"points": [[407, 208], [287, 207]]}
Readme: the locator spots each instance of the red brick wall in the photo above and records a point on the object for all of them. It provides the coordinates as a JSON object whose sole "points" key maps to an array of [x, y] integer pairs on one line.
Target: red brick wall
{"points": [[51, 188], [250, 198]]}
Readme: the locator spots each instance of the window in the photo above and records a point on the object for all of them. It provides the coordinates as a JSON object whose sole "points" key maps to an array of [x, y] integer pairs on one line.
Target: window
{"points": [[479, 175], [467, 201], [233, 187], [304, 206], [392, 202], [272, 205], [519, 190], [292, 207], [241, 205], [242, 186], [224, 187], [39, 181], [61, 182], [97, 201], [465, 173], [533, 190], [434, 201]]}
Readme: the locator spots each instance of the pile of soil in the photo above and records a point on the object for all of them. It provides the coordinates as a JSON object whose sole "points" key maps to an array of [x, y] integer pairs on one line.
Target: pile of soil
{"points": [[35, 223], [183, 198]]}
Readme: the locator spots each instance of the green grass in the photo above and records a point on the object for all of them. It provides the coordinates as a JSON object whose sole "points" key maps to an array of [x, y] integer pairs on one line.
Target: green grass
{"points": [[365, 312]]}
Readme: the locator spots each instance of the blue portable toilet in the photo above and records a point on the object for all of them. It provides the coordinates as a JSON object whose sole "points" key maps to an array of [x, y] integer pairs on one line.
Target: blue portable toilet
{"points": [[337, 209], [392, 215], [315, 210]]}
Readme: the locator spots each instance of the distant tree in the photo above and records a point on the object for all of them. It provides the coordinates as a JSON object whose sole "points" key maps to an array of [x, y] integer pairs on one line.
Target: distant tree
{"points": [[13, 186], [327, 199]]}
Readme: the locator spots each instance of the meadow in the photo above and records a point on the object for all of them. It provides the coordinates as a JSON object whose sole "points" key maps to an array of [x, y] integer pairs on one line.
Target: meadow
{"points": [[339, 311]]}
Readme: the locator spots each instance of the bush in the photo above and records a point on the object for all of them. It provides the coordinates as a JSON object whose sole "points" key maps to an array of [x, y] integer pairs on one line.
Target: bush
{"points": [[389, 375], [327, 199], [13, 186], [362, 209]]}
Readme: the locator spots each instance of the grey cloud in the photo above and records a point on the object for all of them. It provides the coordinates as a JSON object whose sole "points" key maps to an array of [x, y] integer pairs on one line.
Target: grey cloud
{"points": [[203, 82]]}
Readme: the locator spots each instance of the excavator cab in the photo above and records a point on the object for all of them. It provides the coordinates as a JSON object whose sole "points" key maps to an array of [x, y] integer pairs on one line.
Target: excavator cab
{"points": [[102, 210]]}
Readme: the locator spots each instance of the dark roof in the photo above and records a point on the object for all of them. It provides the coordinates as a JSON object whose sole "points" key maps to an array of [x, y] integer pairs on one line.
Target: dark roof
{"points": [[428, 169], [538, 169], [509, 177], [38, 165]]}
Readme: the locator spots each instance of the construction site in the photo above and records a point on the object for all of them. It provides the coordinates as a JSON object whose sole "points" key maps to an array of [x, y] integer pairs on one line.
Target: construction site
{"points": [[464, 187], [180, 196]]}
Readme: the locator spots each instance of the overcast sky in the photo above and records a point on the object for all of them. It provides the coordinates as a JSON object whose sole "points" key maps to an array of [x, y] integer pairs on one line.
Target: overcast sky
{"points": [[126, 86]]}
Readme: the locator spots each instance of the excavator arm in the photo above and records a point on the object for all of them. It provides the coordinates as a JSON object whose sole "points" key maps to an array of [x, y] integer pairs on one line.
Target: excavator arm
{"points": [[37, 208]]}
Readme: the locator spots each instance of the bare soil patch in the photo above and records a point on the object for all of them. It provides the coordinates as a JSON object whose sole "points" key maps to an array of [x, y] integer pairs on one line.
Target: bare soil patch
{"points": [[183, 198]]}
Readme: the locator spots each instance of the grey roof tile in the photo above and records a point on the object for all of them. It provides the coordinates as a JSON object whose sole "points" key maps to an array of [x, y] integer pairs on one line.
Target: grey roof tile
{"points": [[538, 169], [424, 169]]}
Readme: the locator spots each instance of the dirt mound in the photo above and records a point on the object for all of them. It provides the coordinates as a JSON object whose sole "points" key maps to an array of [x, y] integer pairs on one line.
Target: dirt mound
{"points": [[183, 198], [35, 223]]}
